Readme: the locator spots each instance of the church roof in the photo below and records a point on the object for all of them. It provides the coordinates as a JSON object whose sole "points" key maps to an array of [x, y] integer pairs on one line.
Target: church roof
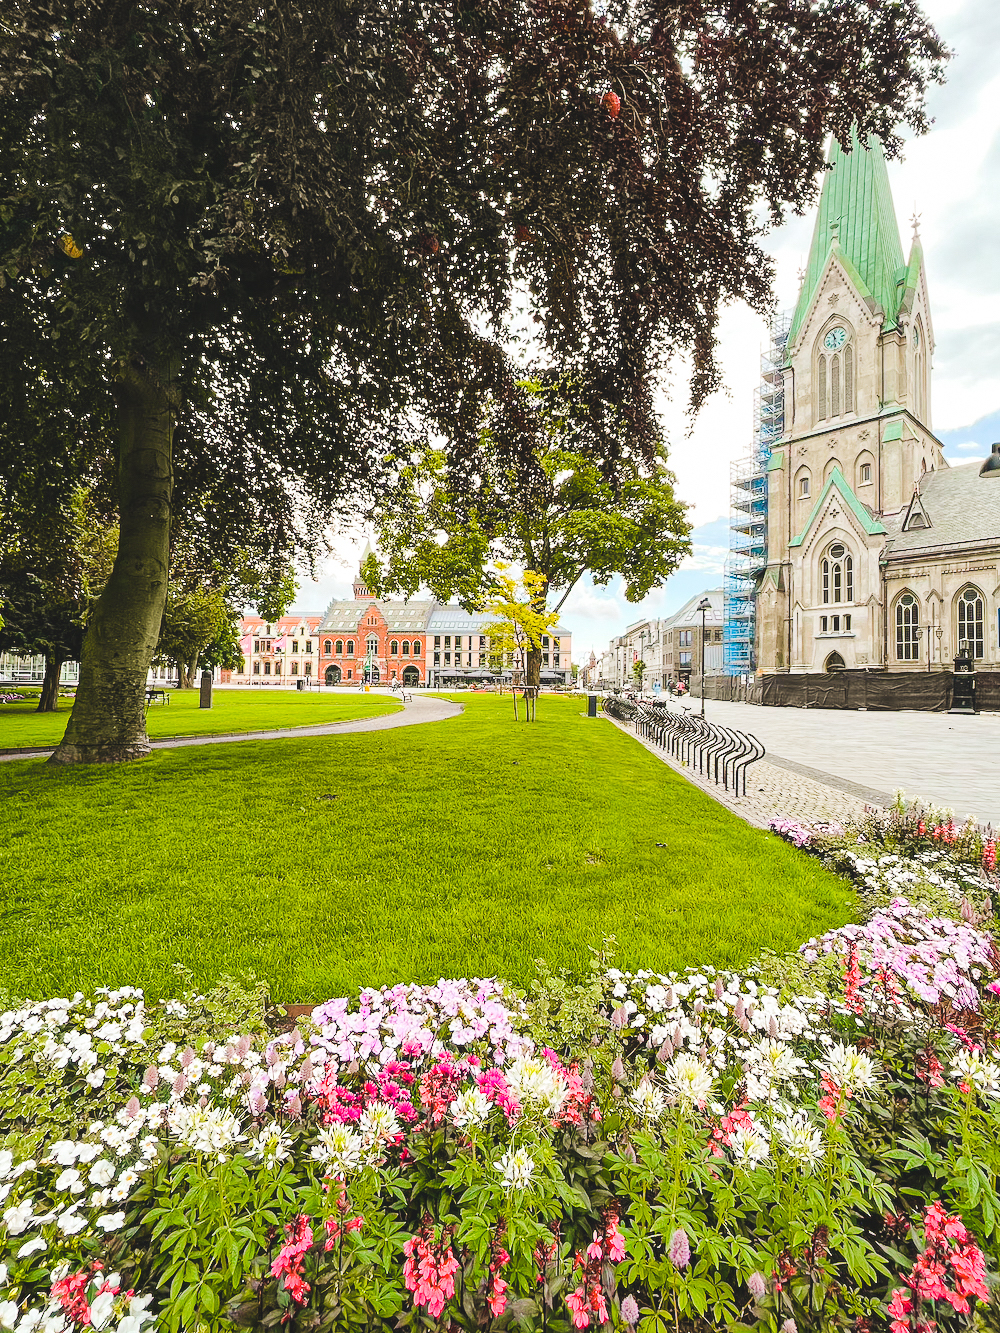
{"points": [[962, 507], [856, 215], [836, 481]]}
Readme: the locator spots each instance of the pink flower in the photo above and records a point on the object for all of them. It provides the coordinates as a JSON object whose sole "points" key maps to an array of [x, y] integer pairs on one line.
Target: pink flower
{"points": [[679, 1252], [757, 1285], [577, 1302], [497, 1298]]}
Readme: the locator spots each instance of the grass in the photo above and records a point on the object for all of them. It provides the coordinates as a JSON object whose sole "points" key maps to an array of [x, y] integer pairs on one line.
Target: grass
{"points": [[232, 711], [464, 847]]}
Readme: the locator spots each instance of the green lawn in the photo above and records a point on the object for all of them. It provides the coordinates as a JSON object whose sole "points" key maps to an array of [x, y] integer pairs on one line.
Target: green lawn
{"points": [[232, 710], [464, 847]]}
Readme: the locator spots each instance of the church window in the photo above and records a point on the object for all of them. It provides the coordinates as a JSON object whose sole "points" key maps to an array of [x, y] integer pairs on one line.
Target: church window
{"points": [[907, 627], [394, 648], [822, 388], [835, 374], [836, 624], [835, 387], [865, 474], [340, 647], [406, 647], [327, 647], [970, 621], [848, 378], [804, 486], [350, 649], [824, 624]]}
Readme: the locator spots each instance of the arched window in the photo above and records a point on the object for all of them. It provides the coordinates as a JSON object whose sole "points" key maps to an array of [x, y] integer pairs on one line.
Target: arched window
{"points": [[834, 663], [394, 647], [907, 628], [416, 647], [835, 373], [971, 616], [803, 484], [295, 668], [406, 647], [372, 644], [327, 647], [340, 647], [350, 647], [838, 575]]}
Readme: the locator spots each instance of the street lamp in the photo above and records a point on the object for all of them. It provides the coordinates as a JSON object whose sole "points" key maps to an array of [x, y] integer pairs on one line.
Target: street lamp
{"points": [[703, 606]]}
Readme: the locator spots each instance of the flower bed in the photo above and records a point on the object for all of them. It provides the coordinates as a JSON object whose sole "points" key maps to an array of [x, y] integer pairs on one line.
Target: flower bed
{"points": [[813, 1144]]}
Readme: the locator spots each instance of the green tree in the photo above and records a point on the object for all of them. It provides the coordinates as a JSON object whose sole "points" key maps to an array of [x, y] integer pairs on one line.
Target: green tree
{"points": [[327, 213], [561, 513], [638, 667], [518, 625]]}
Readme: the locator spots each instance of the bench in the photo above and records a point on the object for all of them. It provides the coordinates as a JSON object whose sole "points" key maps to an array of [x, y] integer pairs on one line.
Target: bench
{"points": [[407, 697], [157, 696]]}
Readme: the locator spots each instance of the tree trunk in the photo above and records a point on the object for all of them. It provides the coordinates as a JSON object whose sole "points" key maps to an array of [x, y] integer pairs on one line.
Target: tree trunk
{"points": [[533, 668], [185, 674], [49, 696], [108, 722]]}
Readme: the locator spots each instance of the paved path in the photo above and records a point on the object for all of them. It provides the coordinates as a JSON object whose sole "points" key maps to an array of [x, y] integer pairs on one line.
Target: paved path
{"points": [[423, 708], [830, 762]]}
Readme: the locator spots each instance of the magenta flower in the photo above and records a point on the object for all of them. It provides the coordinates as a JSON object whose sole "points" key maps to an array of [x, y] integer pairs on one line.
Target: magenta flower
{"points": [[630, 1311], [679, 1253]]}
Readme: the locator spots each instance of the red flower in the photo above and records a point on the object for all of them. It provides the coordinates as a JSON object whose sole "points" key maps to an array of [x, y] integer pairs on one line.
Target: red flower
{"points": [[612, 104]]}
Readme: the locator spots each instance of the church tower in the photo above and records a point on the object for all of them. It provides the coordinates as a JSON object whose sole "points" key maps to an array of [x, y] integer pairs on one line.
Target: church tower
{"points": [[361, 590], [857, 426]]}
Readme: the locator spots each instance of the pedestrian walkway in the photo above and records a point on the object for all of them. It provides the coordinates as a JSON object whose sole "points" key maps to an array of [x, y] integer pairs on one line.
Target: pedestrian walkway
{"points": [[422, 708], [829, 763]]}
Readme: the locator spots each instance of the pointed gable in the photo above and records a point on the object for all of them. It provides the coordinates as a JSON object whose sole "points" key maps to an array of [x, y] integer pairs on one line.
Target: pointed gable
{"points": [[869, 525], [856, 216], [916, 515]]}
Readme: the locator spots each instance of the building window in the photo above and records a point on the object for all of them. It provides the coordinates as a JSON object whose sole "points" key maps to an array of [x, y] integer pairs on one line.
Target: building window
{"points": [[835, 626], [824, 625], [447, 659], [406, 647], [545, 641], [267, 668], [835, 374], [907, 639], [803, 486], [838, 575], [277, 668], [256, 668], [295, 668], [371, 643], [866, 474], [437, 640], [847, 624], [327, 647], [482, 642], [685, 659], [350, 647], [309, 646], [437, 659], [545, 659], [970, 621], [350, 674], [340, 648], [555, 659], [394, 648], [416, 647], [482, 659], [309, 669], [447, 640], [295, 645]]}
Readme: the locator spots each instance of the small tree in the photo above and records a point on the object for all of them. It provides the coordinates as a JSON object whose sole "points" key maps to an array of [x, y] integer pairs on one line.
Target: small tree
{"points": [[638, 667], [519, 626]]}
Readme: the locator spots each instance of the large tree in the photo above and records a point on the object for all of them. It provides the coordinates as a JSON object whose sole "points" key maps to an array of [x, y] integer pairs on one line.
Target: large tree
{"points": [[560, 513], [338, 203]]}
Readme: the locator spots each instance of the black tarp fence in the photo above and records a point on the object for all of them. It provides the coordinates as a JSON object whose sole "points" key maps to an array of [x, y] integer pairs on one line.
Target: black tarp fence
{"points": [[878, 691]]}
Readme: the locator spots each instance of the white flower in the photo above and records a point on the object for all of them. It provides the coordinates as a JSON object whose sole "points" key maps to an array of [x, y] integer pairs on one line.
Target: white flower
{"points": [[972, 1067], [339, 1148], [802, 1141], [748, 1144], [9, 1312], [649, 1101], [850, 1068], [6, 1162], [533, 1080], [96, 1077], [101, 1173], [689, 1081], [86, 1152], [102, 1309], [378, 1122], [70, 1180], [469, 1108], [70, 1222], [111, 1221], [212, 1130], [31, 1247], [776, 1059], [516, 1167], [270, 1147], [3, 1273], [17, 1217], [19, 1170]]}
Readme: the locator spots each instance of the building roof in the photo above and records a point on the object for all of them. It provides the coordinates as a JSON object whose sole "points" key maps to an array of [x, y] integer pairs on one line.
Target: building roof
{"points": [[344, 614], [836, 480], [962, 507], [690, 615], [857, 220], [447, 616]]}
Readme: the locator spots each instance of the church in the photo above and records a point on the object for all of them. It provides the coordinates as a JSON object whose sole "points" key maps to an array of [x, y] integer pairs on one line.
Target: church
{"points": [[859, 548]]}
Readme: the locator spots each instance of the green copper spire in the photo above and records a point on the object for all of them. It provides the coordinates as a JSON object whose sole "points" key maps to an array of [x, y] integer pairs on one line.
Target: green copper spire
{"points": [[856, 215]]}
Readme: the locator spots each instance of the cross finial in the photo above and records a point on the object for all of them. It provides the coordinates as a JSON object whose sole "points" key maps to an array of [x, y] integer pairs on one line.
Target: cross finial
{"points": [[915, 224]]}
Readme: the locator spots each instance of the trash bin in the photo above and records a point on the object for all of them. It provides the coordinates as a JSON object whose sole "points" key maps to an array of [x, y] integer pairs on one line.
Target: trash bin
{"points": [[591, 705], [300, 684]]}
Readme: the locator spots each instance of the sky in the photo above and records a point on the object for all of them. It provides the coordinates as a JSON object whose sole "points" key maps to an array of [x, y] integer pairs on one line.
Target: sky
{"points": [[950, 178]]}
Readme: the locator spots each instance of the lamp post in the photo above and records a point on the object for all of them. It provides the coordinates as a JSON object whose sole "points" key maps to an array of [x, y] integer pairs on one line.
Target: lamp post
{"points": [[703, 606]]}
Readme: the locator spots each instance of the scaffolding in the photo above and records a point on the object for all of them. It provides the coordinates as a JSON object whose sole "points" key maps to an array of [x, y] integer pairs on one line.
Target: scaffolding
{"points": [[748, 502]]}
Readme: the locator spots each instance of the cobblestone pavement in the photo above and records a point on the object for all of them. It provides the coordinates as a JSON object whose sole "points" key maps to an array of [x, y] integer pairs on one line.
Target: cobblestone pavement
{"points": [[837, 761], [422, 708], [772, 789]]}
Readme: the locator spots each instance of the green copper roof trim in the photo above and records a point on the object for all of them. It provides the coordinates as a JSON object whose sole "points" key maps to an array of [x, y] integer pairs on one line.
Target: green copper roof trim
{"points": [[893, 431], [775, 462], [857, 200], [871, 525]]}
